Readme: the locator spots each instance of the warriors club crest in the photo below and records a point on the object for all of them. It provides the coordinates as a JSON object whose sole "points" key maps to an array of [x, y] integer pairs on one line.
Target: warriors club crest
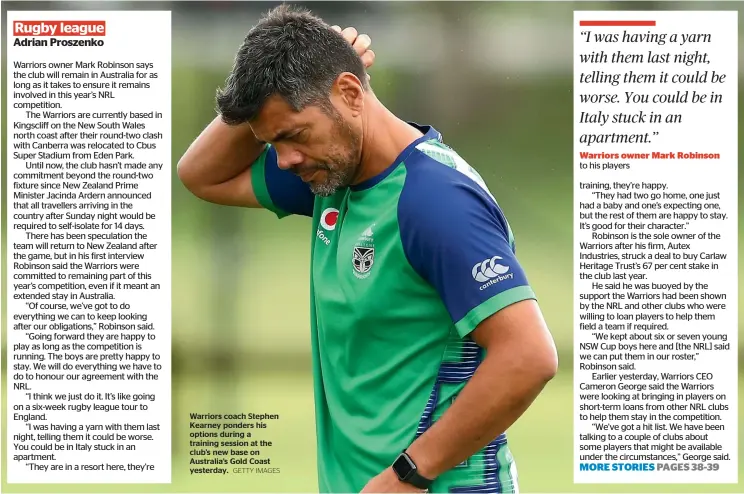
{"points": [[363, 259], [363, 256]]}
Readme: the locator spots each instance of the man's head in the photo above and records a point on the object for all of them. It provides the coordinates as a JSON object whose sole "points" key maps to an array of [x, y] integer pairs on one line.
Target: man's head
{"points": [[301, 86]]}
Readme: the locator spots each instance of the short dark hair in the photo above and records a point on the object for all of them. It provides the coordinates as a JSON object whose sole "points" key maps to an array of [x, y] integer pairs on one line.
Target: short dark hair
{"points": [[290, 53]]}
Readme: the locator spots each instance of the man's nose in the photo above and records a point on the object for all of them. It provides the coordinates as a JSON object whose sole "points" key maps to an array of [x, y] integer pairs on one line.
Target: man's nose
{"points": [[288, 158]]}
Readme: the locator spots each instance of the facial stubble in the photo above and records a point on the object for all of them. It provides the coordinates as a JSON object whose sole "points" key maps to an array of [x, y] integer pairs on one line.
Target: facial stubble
{"points": [[343, 159]]}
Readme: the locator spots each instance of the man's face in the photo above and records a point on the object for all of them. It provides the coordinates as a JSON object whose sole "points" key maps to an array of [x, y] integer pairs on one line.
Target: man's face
{"points": [[319, 146]]}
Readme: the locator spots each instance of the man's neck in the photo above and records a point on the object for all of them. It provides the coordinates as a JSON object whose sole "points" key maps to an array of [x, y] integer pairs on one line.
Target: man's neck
{"points": [[385, 136]]}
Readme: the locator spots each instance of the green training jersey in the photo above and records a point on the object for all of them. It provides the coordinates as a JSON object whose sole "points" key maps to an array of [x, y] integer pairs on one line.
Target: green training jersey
{"points": [[404, 267]]}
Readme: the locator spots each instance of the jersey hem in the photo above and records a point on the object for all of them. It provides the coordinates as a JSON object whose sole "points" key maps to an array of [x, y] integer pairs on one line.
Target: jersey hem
{"points": [[258, 180], [491, 306]]}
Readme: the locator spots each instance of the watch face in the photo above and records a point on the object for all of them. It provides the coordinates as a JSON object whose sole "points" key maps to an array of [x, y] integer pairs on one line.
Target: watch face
{"points": [[403, 467]]}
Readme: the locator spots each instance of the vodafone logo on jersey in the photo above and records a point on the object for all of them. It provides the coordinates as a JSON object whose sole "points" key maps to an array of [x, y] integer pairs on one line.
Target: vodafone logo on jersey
{"points": [[328, 218]]}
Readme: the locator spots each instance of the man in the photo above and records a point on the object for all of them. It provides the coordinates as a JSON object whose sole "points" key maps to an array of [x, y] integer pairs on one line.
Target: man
{"points": [[426, 338]]}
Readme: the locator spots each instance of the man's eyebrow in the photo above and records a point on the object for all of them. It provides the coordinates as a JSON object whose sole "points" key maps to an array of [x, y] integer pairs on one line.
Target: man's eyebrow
{"points": [[282, 135]]}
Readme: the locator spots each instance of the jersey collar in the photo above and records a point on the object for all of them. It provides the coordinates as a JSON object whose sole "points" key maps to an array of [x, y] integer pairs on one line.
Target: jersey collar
{"points": [[429, 134]]}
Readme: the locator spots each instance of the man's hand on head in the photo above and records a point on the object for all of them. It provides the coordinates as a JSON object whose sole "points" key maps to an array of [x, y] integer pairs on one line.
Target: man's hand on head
{"points": [[360, 42]]}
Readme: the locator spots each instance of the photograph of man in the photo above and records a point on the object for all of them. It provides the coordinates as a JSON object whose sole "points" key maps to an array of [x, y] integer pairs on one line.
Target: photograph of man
{"points": [[427, 339]]}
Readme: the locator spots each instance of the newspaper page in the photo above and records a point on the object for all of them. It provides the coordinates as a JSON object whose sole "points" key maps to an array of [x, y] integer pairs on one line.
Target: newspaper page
{"points": [[655, 239], [427, 246]]}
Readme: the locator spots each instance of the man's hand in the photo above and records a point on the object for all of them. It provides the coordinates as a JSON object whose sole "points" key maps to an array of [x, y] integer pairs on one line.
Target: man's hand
{"points": [[360, 42], [387, 481]]}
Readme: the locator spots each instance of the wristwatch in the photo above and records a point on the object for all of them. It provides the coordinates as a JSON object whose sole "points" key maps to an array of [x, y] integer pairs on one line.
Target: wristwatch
{"points": [[406, 470]]}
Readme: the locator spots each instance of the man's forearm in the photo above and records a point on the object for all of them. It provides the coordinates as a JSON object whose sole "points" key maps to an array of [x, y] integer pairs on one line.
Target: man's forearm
{"points": [[499, 392], [220, 153]]}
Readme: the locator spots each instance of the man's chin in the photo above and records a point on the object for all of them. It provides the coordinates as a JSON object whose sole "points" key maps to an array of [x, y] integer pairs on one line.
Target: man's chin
{"points": [[322, 190], [329, 184]]}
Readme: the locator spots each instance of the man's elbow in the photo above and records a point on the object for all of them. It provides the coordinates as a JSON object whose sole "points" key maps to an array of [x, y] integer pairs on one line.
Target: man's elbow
{"points": [[547, 365], [186, 170], [544, 361], [183, 169]]}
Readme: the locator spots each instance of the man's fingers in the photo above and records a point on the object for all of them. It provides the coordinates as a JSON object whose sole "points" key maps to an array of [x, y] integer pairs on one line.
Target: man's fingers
{"points": [[361, 44], [368, 58], [350, 35]]}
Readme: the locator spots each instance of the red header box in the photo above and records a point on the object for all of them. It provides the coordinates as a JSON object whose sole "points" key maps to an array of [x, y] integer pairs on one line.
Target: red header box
{"points": [[59, 28]]}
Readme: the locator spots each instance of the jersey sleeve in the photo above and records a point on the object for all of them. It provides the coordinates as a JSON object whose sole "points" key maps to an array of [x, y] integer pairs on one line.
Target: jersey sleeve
{"points": [[277, 190], [456, 238]]}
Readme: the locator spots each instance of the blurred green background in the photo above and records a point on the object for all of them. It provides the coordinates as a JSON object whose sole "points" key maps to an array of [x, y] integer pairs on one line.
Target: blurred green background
{"points": [[495, 79]]}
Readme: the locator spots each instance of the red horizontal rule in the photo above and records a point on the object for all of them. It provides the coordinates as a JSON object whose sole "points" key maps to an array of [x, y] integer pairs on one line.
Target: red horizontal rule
{"points": [[59, 28], [617, 23]]}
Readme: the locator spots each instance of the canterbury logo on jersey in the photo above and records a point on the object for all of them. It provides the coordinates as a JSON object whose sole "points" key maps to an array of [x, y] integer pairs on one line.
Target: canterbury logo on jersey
{"points": [[488, 269], [491, 272]]}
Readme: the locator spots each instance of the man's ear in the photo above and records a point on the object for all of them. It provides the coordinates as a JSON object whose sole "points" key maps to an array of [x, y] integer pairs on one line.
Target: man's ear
{"points": [[348, 91]]}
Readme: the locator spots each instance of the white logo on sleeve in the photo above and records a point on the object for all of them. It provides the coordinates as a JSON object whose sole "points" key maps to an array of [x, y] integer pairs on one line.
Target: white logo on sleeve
{"points": [[491, 272]]}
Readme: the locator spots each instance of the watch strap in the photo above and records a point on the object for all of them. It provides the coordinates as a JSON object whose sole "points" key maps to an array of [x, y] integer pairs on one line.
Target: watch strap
{"points": [[419, 481]]}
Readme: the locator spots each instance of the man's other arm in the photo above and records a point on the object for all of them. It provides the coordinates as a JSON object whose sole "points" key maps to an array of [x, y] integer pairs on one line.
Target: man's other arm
{"points": [[465, 252], [520, 359]]}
